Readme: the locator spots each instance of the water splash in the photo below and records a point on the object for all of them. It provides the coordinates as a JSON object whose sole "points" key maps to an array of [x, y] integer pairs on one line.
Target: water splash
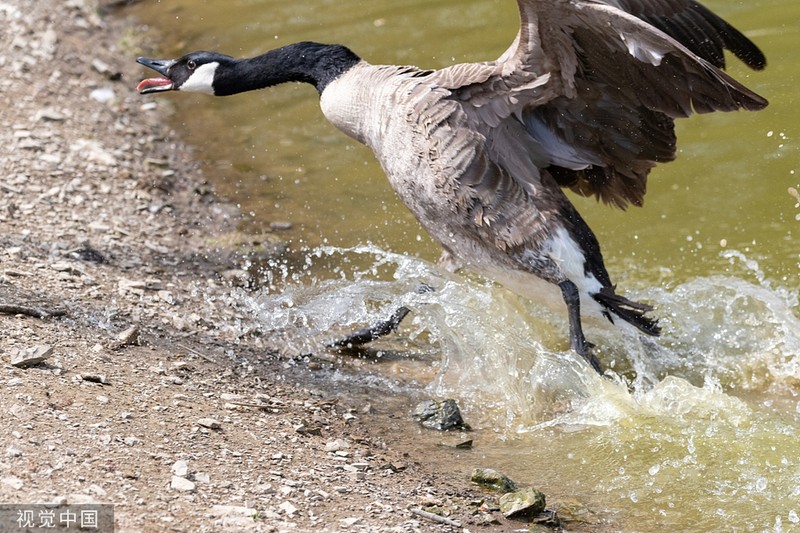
{"points": [[696, 430]]}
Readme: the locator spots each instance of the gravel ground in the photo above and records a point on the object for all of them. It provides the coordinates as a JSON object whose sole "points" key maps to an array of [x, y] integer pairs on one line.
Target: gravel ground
{"points": [[137, 380]]}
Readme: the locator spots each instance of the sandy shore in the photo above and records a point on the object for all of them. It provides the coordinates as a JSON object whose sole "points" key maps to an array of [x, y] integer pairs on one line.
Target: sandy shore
{"points": [[148, 397]]}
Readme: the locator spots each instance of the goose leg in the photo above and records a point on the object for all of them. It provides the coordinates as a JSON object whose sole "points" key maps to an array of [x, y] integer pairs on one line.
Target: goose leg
{"points": [[577, 341]]}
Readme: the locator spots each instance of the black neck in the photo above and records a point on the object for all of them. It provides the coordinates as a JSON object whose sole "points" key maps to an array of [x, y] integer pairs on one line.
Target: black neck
{"points": [[314, 63]]}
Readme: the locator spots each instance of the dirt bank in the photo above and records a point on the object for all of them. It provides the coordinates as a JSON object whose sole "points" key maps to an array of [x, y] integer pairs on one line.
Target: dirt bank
{"points": [[148, 397]]}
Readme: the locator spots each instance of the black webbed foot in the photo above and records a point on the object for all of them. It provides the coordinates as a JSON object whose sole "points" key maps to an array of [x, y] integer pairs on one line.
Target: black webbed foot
{"points": [[369, 334]]}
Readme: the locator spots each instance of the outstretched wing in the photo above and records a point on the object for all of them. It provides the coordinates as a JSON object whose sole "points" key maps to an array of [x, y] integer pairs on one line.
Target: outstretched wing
{"points": [[617, 73], [697, 28]]}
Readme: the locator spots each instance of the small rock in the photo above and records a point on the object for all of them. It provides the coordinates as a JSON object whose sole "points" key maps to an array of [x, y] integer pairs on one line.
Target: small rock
{"points": [[209, 423], [336, 445], [182, 484], [100, 66], [128, 337], [288, 508], [95, 378], [524, 503], [32, 356], [202, 477], [232, 510], [50, 114], [350, 522], [441, 416], [280, 225], [13, 482], [13, 452], [492, 479], [180, 468], [102, 94], [228, 397]]}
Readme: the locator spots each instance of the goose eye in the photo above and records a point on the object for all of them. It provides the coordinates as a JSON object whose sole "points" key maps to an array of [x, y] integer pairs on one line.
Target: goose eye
{"points": [[191, 64]]}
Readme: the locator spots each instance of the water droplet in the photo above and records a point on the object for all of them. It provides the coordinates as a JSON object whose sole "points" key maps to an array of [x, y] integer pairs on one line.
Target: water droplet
{"points": [[654, 469], [793, 518], [761, 484]]}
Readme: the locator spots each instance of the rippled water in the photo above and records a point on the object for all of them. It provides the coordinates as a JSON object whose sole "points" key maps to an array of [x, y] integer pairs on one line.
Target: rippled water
{"points": [[698, 430]]}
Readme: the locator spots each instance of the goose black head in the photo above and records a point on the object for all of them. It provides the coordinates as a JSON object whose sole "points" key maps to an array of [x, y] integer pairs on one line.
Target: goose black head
{"points": [[193, 72]]}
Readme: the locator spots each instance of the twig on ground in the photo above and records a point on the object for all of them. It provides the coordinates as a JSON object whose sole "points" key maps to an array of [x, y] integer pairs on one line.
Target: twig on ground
{"points": [[12, 309], [434, 517], [195, 352]]}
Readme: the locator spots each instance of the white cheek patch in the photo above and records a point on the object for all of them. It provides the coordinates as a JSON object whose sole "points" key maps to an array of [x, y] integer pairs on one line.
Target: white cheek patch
{"points": [[201, 80]]}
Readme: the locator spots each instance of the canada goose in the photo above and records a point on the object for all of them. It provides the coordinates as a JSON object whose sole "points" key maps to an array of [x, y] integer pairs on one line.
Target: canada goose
{"points": [[584, 99]]}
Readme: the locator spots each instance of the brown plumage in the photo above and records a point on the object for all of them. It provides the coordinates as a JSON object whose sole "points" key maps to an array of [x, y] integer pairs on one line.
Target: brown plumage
{"points": [[585, 98]]}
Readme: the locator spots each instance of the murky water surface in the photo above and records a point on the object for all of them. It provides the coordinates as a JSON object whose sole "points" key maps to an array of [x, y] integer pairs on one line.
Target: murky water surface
{"points": [[701, 429]]}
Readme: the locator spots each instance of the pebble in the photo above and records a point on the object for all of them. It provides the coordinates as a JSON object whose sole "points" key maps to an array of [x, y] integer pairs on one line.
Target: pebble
{"points": [[103, 95], [50, 114], [13, 452], [182, 484], [336, 445], [209, 423], [95, 378], [98, 490], [232, 510], [441, 416], [280, 225], [180, 468], [492, 479], [288, 507], [13, 482], [128, 337], [26, 357]]}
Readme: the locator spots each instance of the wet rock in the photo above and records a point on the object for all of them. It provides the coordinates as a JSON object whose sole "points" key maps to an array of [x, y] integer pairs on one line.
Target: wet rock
{"points": [[524, 503], [280, 225], [572, 510], [492, 479], [27, 357], [441, 416]]}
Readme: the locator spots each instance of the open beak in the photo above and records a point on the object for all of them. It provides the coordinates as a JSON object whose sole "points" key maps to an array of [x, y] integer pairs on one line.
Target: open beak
{"points": [[152, 85]]}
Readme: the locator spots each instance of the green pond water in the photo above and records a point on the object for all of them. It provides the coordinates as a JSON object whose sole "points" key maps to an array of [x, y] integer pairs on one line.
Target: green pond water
{"points": [[700, 431]]}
